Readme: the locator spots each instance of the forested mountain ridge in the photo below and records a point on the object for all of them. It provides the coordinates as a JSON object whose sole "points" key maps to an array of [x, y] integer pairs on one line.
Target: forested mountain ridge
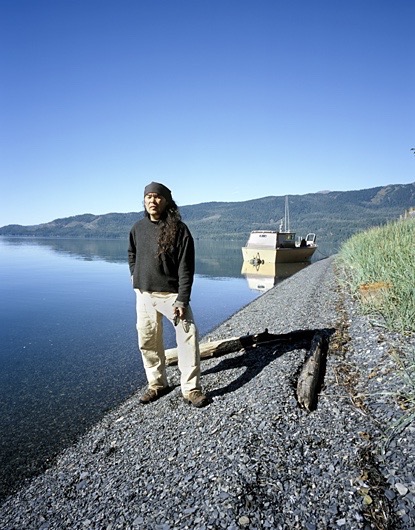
{"points": [[333, 215]]}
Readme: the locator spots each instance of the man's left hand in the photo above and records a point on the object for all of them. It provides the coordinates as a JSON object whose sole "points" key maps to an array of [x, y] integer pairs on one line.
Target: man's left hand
{"points": [[181, 311]]}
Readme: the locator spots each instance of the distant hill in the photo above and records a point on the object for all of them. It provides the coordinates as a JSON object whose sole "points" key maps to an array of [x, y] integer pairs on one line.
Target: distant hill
{"points": [[332, 215]]}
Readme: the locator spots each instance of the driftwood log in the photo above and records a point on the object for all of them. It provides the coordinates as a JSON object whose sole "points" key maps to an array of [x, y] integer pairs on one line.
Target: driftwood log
{"points": [[309, 379], [222, 347], [209, 349], [308, 382]]}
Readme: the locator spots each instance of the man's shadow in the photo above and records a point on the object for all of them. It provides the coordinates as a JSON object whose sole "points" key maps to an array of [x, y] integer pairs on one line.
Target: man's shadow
{"points": [[256, 358]]}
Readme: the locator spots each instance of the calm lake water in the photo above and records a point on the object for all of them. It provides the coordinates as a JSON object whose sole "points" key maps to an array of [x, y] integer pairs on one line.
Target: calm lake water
{"points": [[68, 344]]}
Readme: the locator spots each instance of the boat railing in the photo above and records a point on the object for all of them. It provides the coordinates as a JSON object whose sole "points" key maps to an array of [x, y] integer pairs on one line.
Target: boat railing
{"points": [[311, 239]]}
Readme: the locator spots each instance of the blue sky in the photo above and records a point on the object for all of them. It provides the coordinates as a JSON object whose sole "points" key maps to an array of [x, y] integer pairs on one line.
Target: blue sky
{"points": [[221, 100]]}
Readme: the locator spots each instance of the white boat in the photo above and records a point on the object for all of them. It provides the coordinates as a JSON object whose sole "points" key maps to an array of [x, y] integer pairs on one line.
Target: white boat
{"points": [[279, 246]]}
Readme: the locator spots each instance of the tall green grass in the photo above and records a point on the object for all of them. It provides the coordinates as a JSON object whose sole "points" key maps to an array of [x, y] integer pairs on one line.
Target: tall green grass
{"points": [[384, 255]]}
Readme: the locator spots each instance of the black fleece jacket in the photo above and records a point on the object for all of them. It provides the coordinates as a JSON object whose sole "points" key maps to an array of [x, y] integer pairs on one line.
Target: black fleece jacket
{"points": [[172, 272]]}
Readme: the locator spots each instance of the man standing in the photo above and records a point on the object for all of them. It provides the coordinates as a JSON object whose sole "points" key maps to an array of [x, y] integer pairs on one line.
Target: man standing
{"points": [[161, 258]]}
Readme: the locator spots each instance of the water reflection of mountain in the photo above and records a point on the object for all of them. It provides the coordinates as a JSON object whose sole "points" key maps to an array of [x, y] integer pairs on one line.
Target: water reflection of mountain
{"points": [[213, 258], [264, 276], [220, 259], [111, 250]]}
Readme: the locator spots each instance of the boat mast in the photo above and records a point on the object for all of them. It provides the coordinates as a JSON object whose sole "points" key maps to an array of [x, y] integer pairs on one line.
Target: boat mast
{"points": [[287, 215]]}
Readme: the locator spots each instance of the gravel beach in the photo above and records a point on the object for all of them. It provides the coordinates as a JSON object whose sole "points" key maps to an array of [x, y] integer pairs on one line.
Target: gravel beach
{"points": [[253, 458]]}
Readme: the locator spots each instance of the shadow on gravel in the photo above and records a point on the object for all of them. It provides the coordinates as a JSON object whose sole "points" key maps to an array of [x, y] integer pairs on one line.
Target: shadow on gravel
{"points": [[255, 359]]}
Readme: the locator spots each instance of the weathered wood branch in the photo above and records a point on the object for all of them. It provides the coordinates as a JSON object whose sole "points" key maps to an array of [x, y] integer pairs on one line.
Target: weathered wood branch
{"points": [[307, 385], [209, 349], [222, 347]]}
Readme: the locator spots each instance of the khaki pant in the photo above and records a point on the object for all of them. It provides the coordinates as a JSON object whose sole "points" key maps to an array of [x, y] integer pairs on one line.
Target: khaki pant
{"points": [[151, 307]]}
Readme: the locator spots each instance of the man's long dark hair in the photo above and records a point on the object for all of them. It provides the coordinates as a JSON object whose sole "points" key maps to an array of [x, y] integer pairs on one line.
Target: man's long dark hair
{"points": [[169, 225]]}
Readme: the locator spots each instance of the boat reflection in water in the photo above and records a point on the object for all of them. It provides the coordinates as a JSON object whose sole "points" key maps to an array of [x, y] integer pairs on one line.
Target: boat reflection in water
{"points": [[264, 276]]}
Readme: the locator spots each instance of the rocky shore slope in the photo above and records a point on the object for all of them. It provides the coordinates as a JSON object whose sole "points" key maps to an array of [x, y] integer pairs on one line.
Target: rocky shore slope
{"points": [[253, 458]]}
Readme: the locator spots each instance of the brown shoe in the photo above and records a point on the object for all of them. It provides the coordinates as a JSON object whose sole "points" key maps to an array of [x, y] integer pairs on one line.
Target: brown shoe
{"points": [[152, 394], [196, 398]]}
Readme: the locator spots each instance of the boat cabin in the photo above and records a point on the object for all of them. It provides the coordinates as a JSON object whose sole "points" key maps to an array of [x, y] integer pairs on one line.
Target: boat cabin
{"points": [[271, 239]]}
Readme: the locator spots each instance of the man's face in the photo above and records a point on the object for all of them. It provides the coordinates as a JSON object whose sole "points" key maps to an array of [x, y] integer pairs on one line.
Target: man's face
{"points": [[155, 205]]}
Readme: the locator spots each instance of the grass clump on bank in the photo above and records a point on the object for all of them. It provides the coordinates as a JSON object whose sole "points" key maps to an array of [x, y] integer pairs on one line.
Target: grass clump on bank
{"points": [[379, 266]]}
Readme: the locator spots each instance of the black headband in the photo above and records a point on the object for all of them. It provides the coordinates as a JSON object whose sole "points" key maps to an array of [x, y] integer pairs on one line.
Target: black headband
{"points": [[160, 189]]}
